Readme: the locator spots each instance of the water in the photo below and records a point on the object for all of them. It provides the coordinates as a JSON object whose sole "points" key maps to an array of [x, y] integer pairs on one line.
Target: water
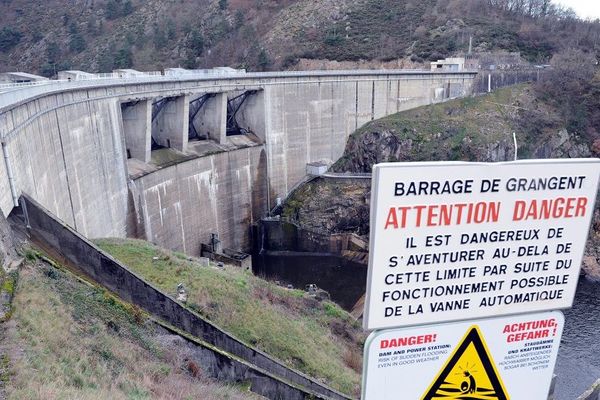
{"points": [[578, 364]]}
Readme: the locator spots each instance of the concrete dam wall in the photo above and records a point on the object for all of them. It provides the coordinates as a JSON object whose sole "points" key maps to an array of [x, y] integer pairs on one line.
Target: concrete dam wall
{"points": [[87, 150]]}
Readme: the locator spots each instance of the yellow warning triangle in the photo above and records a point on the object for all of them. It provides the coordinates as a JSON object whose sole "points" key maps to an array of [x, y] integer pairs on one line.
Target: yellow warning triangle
{"points": [[469, 374]]}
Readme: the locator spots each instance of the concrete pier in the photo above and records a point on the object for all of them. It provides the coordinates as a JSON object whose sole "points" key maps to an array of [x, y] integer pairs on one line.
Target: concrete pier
{"points": [[171, 125], [211, 120], [137, 128]]}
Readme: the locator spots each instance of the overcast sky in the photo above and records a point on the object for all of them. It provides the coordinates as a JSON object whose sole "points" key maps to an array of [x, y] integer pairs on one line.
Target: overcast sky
{"points": [[583, 8]]}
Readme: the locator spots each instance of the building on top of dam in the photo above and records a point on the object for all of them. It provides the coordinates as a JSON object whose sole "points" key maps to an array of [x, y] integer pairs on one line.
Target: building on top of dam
{"points": [[180, 157]]}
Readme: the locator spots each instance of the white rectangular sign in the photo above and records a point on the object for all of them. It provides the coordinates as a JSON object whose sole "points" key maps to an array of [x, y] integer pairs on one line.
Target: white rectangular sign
{"points": [[500, 359], [454, 240]]}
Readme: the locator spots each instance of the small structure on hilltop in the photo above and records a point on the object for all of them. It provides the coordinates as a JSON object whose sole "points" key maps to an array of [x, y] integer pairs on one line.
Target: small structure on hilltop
{"points": [[448, 65], [75, 75], [21, 77]]}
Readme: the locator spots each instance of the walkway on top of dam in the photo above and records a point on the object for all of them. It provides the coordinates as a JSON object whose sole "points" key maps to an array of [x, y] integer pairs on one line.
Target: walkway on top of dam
{"points": [[13, 94]]}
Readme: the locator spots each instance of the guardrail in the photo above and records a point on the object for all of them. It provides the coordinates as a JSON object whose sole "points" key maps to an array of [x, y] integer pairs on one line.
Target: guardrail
{"points": [[22, 91]]}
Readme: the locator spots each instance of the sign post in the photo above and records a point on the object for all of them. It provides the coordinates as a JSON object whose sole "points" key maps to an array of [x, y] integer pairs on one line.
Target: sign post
{"points": [[472, 242]]}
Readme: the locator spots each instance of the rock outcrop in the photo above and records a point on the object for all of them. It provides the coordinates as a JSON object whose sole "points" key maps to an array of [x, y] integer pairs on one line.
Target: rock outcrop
{"points": [[472, 129]]}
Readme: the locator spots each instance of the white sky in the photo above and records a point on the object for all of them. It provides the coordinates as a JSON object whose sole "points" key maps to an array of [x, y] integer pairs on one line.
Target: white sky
{"points": [[583, 8]]}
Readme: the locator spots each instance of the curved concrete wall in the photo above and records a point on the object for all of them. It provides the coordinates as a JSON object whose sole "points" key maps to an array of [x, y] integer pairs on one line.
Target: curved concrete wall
{"points": [[181, 205], [71, 160], [65, 147]]}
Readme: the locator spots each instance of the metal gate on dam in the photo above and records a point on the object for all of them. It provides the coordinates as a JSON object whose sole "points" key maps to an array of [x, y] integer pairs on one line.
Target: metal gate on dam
{"points": [[173, 160]]}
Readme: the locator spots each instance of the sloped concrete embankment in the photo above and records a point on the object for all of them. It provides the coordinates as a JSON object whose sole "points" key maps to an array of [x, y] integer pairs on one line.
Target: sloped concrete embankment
{"points": [[593, 393], [226, 357]]}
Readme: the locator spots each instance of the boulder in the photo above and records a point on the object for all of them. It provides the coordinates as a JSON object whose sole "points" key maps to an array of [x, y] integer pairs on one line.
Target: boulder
{"points": [[591, 268]]}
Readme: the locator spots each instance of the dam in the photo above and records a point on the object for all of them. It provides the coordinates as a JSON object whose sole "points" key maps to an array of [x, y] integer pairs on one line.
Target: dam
{"points": [[180, 161]]}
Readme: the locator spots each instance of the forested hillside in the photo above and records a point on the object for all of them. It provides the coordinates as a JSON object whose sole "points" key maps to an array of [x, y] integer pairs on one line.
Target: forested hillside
{"points": [[99, 35]]}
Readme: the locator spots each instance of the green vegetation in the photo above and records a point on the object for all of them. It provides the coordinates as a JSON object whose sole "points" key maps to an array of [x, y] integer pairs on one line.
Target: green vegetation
{"points": [[234, 33], [556, 118], [318, 338], [70, 340], [7, 291], [77, 43], [9, 38], [118, 8], [463, 129]]}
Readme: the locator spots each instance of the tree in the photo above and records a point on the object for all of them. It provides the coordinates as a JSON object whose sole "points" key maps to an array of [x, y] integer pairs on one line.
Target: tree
{"points": [[159, 38], [52, 52], [171, 29], [127, 8], [239, 19], [112, 9], [77, 43], [117, 8], [36, 34], [47, 70], [9, 38], [92, 27], [123, 58], [195, 43], [566, 83], [73, 29], [106, 60], [189, 62], [263, 61], [223, 4]]}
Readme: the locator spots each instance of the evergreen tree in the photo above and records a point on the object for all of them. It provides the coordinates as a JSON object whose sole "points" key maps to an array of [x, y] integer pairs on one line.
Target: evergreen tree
{"points": [[195, 43], [77, 43], [264, 62], [9, 38], [123, 58]]}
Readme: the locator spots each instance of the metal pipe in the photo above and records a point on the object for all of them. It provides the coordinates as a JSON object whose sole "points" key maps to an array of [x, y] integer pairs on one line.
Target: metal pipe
{"points": [[11, 179]]}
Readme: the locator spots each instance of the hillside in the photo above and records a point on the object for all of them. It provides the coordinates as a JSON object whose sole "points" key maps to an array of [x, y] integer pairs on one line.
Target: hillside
{"points": [[558, 117], [99, 35], [69, 340], [471, 129], [65, 338], [315, 337]]}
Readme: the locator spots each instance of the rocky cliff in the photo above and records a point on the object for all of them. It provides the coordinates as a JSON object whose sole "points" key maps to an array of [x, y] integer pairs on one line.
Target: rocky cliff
{"points": [[472, 129]]}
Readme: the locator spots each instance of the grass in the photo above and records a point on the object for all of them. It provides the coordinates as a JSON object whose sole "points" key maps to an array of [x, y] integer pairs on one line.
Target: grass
{"points": [[306, 334], [68, 340]]}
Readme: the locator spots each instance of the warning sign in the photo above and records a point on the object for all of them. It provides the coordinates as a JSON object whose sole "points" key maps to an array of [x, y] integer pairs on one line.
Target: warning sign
{"points": [[454, 241], [508, 358], [469, 373]]}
